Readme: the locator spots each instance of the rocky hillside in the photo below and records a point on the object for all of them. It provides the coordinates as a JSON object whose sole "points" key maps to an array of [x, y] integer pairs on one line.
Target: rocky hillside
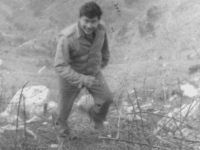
{"points": [[138, 29], [28, 33], [166, 30], [141, 32], [29, 28]]}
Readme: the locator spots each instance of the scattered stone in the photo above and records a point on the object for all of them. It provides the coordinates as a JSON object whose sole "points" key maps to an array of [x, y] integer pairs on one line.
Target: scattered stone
{"points": [[105, 123], [146, 106], [167, 106], [54, 146], [128, 112], [189, 90], [172, 121], [173, 98], [33, 119], [109, 136], [45, 123], [133, 117]]}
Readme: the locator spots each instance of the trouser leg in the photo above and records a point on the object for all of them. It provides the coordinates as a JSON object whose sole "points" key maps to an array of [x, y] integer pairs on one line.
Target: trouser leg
{"points": [[67, 95], [102, 99]]}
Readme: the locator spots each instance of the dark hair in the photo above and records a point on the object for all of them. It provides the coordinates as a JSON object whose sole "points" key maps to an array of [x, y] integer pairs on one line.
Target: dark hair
{"points": [[90, 10]]}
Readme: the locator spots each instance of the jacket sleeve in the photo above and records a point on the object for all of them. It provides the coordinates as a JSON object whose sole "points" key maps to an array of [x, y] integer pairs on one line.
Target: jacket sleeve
{"points": [[62, 66], [105, 52]]}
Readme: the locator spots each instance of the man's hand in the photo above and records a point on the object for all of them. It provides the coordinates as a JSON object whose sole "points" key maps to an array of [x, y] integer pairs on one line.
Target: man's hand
{"points": [[90, 81]]}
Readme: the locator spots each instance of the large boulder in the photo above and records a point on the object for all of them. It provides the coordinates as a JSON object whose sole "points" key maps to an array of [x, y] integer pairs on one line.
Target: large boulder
{"points": [[36, 105], [84, 103]]}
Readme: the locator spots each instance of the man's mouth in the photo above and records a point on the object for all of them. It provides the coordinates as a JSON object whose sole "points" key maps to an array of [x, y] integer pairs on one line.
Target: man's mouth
{"points": [[89, 30]]}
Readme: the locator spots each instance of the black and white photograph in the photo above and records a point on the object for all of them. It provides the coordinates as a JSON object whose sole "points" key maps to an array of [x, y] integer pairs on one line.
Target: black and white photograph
{"points": [[99, 74]]}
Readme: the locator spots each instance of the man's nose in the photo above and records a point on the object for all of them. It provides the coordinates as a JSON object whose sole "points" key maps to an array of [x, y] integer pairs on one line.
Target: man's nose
{"points": [[89, 25]]}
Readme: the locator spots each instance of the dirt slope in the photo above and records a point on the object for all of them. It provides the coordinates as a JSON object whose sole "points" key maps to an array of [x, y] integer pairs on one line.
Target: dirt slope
{"points": [[142, 34], [165, 30]]}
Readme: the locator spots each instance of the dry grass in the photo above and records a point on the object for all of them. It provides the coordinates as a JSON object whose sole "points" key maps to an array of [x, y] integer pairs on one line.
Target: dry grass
{"points": [[120, 134]]}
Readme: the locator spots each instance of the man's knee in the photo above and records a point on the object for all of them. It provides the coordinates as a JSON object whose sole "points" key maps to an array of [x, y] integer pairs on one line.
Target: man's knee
{"points": [[109, 98], [106, 104]]}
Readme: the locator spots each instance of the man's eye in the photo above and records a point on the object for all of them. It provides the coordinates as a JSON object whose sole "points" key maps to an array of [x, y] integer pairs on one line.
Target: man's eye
{"points": [[86, 21]]}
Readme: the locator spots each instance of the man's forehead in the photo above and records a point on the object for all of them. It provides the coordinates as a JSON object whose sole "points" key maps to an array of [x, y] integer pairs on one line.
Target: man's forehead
{"points": [[91, 19]]}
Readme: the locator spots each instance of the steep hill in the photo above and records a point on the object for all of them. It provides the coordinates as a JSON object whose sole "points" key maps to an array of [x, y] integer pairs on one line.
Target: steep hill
{"points": [[28, 33], [165, 30], [29, 28], [144, 36], [152, 43]]}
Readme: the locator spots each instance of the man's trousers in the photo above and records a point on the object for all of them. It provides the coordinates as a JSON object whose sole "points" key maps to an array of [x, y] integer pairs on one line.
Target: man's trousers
{"points": [[68, 93]]}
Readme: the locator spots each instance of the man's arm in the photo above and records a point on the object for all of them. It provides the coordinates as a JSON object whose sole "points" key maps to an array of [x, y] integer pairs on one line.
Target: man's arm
{"points": [[105, 52], [62, 66]]}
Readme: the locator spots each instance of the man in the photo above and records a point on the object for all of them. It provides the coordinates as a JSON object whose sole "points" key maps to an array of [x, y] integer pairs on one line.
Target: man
{"points": [[82, 51]]}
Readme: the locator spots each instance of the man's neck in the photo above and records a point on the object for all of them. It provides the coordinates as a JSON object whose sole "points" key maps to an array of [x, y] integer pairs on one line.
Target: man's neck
{"points": [[90, 36]]}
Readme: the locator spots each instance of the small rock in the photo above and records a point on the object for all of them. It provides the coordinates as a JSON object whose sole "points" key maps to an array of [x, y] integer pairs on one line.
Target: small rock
{"points": [[109, 136], [54, 146], [44, 123], [167, 106], [189, 90], [105, 123]]}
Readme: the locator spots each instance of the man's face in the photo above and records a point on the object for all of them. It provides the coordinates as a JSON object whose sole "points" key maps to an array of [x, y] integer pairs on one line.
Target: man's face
{"points": [[88, 25]]}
